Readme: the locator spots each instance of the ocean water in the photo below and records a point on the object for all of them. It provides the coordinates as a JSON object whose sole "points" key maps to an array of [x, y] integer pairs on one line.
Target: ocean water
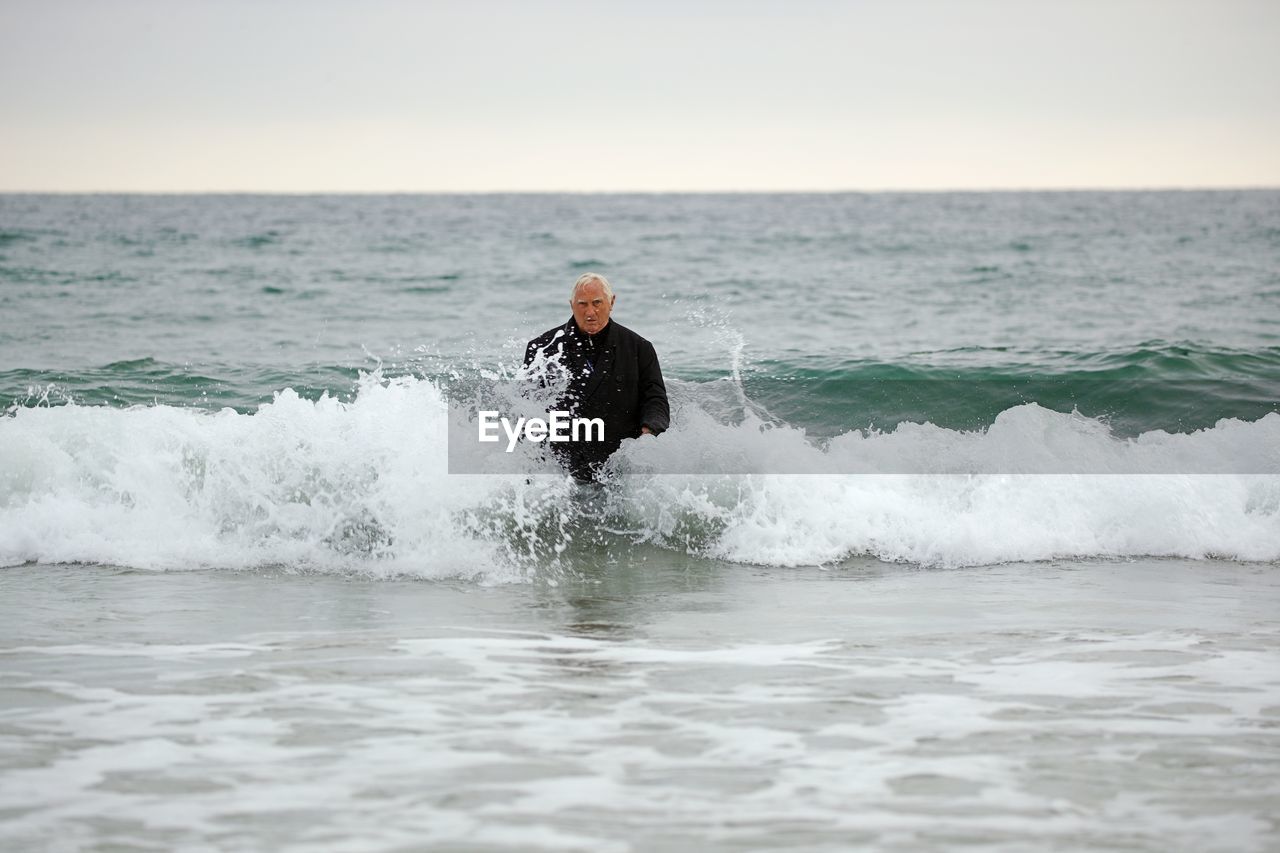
{"points": [[966, 531]]}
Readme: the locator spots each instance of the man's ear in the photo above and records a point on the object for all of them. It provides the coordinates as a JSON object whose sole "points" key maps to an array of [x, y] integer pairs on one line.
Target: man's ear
{"points": [[613, 299]]}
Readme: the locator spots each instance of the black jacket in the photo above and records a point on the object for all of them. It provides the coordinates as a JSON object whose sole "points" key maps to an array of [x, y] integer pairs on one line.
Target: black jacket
{"points": [[615, 376]]}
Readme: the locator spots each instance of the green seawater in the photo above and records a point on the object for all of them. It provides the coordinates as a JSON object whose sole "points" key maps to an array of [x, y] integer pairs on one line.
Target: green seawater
{"points": [[1154, 310]]}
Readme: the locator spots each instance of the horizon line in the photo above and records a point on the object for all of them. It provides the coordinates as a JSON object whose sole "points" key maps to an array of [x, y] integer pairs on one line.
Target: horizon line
{"points": [[704, 192]]}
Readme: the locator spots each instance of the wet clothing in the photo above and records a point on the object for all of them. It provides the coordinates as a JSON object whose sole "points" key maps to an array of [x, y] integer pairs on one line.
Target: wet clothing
{"points": [[614, 376]]}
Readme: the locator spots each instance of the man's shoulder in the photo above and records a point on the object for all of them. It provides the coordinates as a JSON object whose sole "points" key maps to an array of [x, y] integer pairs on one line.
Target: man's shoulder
{"points": [[622, 333]]}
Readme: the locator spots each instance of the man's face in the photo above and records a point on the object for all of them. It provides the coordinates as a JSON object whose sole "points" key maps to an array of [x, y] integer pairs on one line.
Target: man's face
{"points": [[591, 307]]}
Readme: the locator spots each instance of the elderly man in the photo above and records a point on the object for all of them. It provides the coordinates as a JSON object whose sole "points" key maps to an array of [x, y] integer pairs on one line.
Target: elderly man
{"points": [[613, 375]]}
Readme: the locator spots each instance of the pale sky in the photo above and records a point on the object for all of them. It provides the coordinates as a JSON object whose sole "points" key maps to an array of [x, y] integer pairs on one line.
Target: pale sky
{"points": [[492, 95]]}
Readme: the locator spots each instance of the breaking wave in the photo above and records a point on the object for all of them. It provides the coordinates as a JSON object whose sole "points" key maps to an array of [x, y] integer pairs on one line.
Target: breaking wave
{"points": [[364, 485]]}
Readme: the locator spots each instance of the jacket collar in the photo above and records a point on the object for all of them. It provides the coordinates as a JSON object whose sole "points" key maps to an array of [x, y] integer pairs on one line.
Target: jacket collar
{"points": [[571, 330]]}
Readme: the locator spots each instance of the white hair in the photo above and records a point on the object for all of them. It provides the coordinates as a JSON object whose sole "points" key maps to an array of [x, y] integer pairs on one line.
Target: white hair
{"points": [[588, 277]]}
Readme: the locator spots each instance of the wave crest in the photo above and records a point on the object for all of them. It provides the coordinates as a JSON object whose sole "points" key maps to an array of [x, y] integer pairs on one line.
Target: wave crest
{"points": [[364, 485]]}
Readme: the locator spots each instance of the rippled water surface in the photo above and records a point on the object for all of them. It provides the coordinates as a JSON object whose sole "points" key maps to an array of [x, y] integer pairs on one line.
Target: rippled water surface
{"points": [[668, 705]]}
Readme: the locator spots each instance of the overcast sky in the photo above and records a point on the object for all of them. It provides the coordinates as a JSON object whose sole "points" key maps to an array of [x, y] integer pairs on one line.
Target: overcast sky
{"points": [[400, 96]]}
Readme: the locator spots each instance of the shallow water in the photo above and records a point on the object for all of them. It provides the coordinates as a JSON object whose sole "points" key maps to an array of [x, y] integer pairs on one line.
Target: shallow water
{"points": [[668, 703]]}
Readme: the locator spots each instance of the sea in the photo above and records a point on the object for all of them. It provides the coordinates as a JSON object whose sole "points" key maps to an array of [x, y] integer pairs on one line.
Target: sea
{"points": [[965, 535]]}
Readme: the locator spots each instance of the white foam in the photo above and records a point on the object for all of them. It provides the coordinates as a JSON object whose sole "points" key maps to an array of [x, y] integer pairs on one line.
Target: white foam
{"points": [[960, 516], [316, 484], [364, 485]]}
